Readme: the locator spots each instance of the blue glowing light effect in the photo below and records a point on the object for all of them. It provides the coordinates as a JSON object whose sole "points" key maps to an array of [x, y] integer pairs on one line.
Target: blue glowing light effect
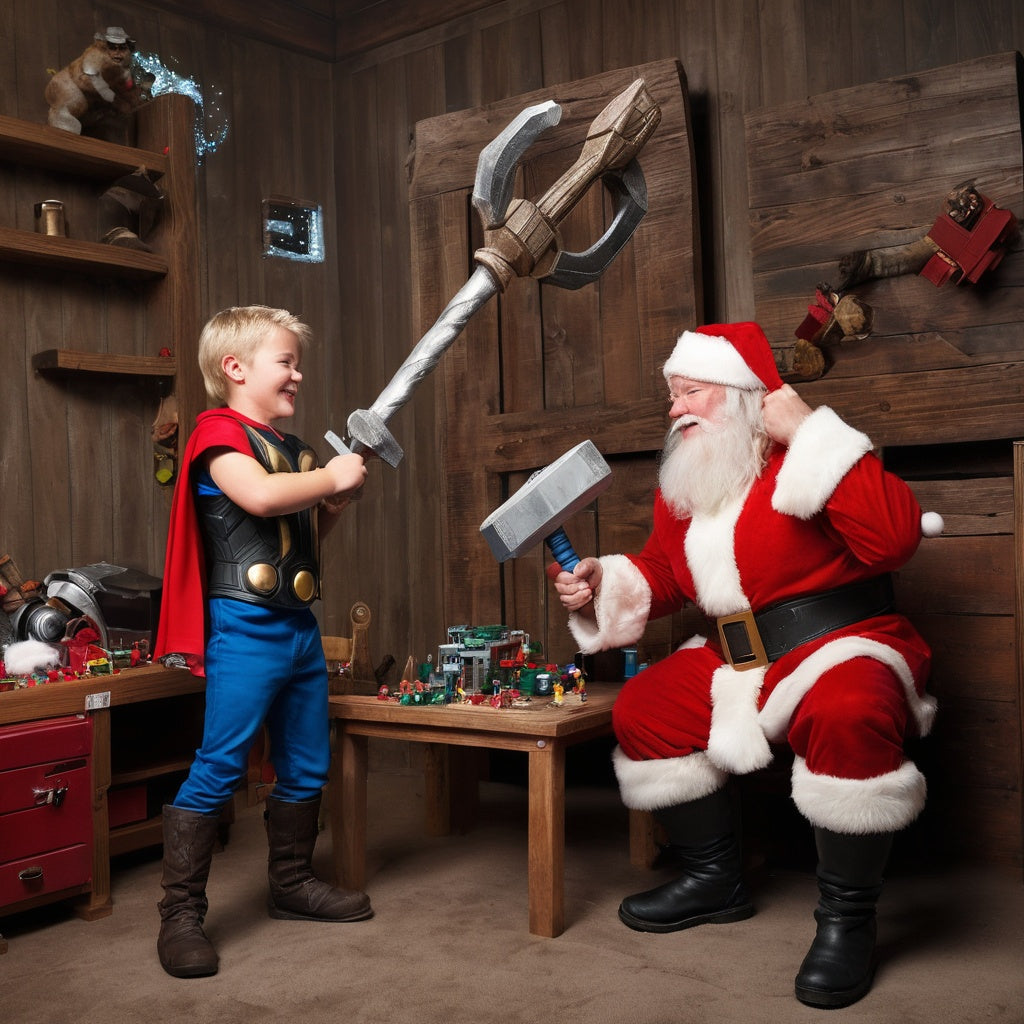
{"points": [[211, 127]]}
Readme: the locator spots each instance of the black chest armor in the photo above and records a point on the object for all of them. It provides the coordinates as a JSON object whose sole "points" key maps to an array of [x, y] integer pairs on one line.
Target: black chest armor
{"points": [[264, 560]]}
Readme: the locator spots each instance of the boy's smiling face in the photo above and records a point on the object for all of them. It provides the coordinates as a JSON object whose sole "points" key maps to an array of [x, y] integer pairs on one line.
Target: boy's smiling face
{"points": [[264, 386]]}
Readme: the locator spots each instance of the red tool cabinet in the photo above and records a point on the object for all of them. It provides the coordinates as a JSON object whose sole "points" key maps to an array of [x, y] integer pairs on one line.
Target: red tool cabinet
{"points": [[46, 821]]}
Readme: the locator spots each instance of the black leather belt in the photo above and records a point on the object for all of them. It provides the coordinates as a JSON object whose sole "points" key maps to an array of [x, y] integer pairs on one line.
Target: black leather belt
{"points": [[752, 640]]}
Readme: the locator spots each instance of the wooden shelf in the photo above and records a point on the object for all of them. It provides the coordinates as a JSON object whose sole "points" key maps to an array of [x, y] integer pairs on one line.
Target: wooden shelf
{"points": [[152, 771], [136, 836], [58, 253], [42, 146], [58, 361], [149, 682]]}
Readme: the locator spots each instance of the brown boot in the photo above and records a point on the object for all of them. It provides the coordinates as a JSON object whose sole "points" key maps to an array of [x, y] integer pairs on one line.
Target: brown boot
{"points": [[183, 948], [296, 894]]}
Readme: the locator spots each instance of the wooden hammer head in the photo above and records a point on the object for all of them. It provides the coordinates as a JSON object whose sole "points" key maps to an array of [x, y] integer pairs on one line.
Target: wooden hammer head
{"points": [[546, 501]]}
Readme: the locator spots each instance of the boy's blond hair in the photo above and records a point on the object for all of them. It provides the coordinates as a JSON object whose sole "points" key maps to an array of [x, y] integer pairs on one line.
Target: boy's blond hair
{"points": [[239, 331]]}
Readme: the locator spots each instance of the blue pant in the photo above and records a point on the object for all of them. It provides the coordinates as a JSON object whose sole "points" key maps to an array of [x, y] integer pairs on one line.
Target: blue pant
{"points": [[262, 664]]}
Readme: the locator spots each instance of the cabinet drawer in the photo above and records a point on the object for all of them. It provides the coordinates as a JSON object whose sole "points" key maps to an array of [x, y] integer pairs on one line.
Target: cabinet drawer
{"points": [[23, 789], [48, 826], [41, 742], [50, 872]]}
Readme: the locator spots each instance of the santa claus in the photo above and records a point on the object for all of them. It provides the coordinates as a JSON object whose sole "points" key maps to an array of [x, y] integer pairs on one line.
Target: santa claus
{"points": [[781, 525]]}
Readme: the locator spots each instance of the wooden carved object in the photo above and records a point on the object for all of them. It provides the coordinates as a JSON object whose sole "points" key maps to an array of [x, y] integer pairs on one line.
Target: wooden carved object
{"points": [[966, 240]]}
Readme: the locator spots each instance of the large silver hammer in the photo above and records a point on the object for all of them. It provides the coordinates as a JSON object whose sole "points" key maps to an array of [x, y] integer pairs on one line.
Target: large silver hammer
{"points": [[521, 238], [539, 508]]}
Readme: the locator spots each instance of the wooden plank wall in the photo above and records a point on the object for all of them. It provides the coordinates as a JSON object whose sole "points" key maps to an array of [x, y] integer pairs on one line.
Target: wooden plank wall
{"points": [[339, 133], [76, 477], [738, 57]]}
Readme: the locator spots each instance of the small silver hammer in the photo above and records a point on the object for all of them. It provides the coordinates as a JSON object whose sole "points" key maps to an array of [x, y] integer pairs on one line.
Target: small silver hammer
{"points": [[539, 508]]}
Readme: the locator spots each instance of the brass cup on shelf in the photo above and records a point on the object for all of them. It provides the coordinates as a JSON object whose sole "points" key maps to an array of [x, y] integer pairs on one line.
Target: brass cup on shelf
{"points": [[50, 217]]}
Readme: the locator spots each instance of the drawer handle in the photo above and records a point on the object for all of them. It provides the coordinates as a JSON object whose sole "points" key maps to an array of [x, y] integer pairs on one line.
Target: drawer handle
{"points": [[54, 797], [31, 874]]}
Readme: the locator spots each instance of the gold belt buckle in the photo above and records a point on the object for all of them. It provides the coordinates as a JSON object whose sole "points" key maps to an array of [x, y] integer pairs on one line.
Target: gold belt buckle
{"points": [[741, 642]]}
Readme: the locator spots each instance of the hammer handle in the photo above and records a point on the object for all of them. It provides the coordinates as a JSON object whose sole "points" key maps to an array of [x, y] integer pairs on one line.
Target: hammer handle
{"points": [[561, 547]]}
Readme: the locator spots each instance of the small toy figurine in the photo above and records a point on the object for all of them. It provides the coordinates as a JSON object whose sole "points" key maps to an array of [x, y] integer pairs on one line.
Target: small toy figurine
{"points": [[96, 85], [559, 694]]}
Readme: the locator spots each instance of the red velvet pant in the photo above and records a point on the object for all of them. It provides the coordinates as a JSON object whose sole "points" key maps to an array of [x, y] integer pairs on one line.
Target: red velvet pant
{"points": [[851, 724]]}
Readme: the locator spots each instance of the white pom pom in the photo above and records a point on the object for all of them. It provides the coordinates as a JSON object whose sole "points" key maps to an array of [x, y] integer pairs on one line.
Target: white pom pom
{"points": [[26, 656], [931, 524]]}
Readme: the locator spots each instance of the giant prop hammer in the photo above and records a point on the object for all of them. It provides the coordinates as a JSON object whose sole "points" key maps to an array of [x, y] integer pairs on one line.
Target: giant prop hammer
{"points": [[521, 238], [538, 510]]}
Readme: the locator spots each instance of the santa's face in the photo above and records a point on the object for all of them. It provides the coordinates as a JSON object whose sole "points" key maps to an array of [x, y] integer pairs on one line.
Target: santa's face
{"points": [[715, 446], [694, 404]]}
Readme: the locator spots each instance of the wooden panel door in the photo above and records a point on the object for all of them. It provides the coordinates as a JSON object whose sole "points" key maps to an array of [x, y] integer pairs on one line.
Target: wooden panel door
{"points": [[539, 369]]}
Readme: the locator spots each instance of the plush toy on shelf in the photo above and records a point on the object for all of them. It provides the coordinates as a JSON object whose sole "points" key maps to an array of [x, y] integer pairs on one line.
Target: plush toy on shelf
{"points": [[97, 91]]}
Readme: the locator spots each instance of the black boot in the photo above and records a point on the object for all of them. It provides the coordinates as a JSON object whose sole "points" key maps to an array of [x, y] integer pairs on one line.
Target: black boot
{"points": [[183, 948], [711, 888], [839, 966], [296, 894]]}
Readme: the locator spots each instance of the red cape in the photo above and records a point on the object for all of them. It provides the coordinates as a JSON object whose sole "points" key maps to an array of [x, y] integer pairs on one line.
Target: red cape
{"points": [[182, 627]]}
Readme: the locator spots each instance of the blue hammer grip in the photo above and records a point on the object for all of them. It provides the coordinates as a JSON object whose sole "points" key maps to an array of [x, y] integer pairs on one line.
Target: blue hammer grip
{"points": [[561, 547]]}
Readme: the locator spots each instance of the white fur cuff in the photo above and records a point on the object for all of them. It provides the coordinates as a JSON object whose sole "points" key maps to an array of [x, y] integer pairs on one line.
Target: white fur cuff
{"points": [[886, 803], [622, 605], [823, 451], [652, 785]]}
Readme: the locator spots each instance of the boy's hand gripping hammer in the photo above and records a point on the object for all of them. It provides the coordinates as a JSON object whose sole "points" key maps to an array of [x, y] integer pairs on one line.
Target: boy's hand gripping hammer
{"points": [[521, 238]]}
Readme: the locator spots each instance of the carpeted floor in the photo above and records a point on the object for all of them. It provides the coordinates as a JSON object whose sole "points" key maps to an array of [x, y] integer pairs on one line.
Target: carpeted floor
{"points": [[449, 942]]}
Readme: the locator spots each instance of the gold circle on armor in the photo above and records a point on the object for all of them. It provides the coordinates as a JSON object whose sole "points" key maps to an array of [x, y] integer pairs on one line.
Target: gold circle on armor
{"points": [[304, 585], [261, 577]]}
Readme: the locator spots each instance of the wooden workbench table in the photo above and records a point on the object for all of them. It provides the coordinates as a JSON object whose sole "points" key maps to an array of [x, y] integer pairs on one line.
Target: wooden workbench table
{"points": [[543, 731], [96, 695]]}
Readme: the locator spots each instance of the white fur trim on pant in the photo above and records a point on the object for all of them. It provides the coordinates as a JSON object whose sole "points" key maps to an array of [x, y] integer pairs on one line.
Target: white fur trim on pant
{"points": [[622, 605], [778, 709], [886, 803], [823, 450], [664, 782], [737, 742]]}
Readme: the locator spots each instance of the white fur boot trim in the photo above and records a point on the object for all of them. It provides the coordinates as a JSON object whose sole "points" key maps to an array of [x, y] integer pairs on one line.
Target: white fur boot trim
{"points": [[664, 782], [886, 803], [737, 743]]}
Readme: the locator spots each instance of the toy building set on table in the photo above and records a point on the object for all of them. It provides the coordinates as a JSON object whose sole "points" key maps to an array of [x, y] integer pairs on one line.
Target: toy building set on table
{"points": [[486, 666], [91, 620]]}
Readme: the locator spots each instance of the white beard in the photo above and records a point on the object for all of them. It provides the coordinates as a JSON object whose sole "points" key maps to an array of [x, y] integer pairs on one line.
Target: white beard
{"points": [[717, 461]]}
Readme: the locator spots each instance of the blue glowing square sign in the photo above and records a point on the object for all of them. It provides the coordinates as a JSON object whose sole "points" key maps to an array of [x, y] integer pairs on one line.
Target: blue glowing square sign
{"points": [[293, 230]]}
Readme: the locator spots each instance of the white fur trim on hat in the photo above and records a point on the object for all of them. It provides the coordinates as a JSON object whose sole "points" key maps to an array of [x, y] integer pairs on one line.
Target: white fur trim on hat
{"points": [[886, 803], [823, 450], [664, 782], [709, 358], [622, 605]]}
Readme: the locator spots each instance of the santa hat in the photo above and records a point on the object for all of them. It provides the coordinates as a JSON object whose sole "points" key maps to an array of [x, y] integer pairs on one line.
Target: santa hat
{"points": [[734, 354]]}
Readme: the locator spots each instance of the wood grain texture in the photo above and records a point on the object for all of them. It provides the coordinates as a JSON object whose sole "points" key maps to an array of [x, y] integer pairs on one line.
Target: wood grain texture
{"points": [[556, 350], [868, 167]]}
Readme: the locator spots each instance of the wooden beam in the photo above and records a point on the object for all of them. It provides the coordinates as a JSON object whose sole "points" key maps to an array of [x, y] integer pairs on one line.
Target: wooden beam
{"points": [[365, 24], [291, 26]]}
